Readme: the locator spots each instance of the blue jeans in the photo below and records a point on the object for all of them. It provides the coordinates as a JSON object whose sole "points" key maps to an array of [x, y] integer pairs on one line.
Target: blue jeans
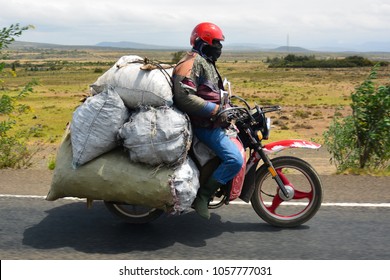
{"points": [[229, 154]]}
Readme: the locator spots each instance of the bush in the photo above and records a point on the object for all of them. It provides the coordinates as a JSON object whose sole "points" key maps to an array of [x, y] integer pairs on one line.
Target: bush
{"points": [[14, 152], [294, 61], [362, 140], [13, 145]]}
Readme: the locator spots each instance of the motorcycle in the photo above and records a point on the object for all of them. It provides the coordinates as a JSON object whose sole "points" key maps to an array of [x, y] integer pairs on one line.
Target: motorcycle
{"points": [[284, 191]]}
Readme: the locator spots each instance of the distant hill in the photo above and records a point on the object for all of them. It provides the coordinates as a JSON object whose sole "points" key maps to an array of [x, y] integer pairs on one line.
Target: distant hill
{"points": [[291, 49], [242, 47], [34, 45], [26, 45], [133, 45], [248, 46], [101, 45], [230, 47], [376, 46]]}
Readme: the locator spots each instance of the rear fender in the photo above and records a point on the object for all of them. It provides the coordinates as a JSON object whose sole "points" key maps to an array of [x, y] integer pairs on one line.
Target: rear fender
{"points": [[275, 147]]}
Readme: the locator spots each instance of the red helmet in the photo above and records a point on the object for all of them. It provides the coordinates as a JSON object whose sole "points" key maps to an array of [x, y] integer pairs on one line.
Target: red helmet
{"points": [[206, 31]]}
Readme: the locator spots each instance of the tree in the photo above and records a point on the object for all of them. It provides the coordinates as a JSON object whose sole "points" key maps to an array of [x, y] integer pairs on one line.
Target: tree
{"points": [[362, 140], [7, 36], [13, 147]]}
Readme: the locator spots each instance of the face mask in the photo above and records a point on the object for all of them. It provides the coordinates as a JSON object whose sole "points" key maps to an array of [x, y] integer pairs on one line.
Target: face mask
{"points": [[213, 52]]}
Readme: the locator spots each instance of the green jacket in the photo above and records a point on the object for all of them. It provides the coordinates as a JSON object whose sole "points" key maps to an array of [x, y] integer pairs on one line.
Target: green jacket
{"points": [[196, 88]]}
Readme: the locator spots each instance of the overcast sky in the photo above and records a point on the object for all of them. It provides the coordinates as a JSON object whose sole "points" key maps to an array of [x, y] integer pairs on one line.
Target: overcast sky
{"points": [[307, 23]]}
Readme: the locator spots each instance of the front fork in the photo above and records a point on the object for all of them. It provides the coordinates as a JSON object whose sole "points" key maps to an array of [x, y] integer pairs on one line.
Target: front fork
{"points": [[249, 183], [273, 172]]}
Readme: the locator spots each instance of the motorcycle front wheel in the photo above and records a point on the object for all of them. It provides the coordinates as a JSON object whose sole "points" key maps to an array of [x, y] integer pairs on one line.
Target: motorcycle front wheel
{"points": [[303, 185], [133, 214]]}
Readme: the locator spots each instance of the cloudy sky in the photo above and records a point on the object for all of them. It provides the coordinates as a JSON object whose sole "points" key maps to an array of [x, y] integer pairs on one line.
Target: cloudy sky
{"points": [[306, 23]]}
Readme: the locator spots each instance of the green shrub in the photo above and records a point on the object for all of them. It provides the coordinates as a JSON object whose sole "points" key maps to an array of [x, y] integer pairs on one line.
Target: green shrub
{"points": [[51, 165], [14, 152], [294, 61], [301, 114], [362, 140]]}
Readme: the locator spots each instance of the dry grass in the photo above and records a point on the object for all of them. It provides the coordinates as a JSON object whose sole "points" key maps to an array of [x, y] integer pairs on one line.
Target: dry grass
{"points": [[309, 97]]}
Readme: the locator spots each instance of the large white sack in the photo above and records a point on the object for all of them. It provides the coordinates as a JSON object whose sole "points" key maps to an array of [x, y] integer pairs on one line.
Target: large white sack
{"points": [[185, 181], [157, 136], [137, 87], [113, 177], [95, 125]]}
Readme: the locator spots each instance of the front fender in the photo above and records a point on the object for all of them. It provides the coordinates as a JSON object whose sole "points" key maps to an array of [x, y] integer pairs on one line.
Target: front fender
{"points": [[275, 147]]}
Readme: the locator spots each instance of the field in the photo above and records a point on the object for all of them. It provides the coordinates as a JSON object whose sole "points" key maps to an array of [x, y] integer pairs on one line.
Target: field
{"points": [[309, 97]]}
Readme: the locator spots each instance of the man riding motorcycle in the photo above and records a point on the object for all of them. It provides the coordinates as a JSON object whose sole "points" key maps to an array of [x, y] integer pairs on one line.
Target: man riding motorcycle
{"points": [[197, 87]]}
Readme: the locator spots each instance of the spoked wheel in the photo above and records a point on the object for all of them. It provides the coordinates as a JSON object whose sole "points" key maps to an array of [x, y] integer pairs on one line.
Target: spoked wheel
{"points": [[303, 185], [134, 214]]}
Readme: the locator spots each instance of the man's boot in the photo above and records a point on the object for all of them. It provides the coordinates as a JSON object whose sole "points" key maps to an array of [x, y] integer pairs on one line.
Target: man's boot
{"points": [[203, 197]]}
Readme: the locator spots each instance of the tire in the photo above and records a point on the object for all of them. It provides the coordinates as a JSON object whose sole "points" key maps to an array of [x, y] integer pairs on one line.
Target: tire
{"points": [[133, 214], [301, 180]]}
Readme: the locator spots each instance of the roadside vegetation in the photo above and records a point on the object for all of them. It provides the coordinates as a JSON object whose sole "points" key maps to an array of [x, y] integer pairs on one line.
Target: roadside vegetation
{"points": [[295, 61], [14, 151], [361, 141]]}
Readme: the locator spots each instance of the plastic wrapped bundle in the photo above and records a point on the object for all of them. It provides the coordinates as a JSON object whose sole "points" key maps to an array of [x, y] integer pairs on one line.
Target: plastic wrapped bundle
{"points": [[185, 181], [157, 136], [137, 83], [95, 126], [112, 177]]}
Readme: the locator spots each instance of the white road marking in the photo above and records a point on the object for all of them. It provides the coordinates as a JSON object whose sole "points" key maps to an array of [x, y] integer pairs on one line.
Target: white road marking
{"points": [[338, 204]]}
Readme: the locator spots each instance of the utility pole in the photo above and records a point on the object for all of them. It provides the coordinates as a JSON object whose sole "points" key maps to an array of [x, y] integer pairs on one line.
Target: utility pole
{"points": [[288, 43]]}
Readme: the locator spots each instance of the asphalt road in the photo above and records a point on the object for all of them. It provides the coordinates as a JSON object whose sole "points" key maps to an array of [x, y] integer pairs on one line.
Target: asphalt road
{"points": [[32, 228]]}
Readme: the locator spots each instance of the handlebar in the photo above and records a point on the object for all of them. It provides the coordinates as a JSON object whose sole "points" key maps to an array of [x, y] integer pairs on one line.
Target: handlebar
{"points": [[247, 109], [265, 109], [268, 109]]}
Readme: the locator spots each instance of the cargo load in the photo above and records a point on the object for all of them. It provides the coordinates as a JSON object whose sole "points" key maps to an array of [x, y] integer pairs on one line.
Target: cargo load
{"points": [[157, 136], [128, 144], [138, 82], [95, 125], [113, 177]]}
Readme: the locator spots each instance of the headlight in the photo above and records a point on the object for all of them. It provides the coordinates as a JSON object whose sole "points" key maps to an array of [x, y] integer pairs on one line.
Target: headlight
{"points": [[267, 128], [269, 123]]}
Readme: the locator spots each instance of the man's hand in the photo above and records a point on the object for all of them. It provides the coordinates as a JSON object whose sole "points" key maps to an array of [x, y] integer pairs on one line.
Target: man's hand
{"points": [[221, 120], [215, 111]]}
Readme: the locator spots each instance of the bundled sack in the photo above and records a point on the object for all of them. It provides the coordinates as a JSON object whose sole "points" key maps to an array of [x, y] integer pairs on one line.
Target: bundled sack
{"points": [[185, 181], [138, 84], [157, 136], [95, 126], [112, 177]]}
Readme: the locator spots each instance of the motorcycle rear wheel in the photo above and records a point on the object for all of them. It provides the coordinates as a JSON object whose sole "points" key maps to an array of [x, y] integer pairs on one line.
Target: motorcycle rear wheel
{"points": [[133, 214], [303, 184]]}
